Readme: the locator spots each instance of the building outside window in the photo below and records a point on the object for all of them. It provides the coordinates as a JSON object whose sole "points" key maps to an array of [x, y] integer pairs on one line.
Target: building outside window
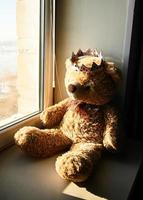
{"points": [[23, 66]]}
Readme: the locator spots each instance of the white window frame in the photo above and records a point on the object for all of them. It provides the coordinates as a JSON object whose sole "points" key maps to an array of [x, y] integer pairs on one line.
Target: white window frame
{"points": [[47, 46]]}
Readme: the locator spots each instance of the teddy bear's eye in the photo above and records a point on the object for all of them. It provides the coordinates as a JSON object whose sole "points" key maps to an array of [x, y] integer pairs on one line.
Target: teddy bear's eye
{"points": [[87, 87]]}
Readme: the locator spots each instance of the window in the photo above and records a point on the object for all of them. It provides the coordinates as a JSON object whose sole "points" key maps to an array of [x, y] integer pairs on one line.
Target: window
{"points": [[25, 73], [19, 59]]}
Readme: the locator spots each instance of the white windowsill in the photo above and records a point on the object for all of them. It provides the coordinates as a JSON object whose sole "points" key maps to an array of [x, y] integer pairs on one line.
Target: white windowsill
{"points": [[25, 178]]}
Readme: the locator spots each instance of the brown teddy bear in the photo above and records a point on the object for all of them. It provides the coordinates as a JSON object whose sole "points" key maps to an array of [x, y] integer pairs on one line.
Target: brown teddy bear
{"points": [[86, 122]]}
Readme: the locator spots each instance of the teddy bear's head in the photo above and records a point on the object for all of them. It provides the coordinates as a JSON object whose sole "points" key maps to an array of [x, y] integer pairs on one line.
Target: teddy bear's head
{"points": [[91, 79]]}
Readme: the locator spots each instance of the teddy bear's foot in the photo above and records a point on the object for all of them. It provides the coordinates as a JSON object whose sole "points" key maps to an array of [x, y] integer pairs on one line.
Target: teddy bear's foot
{"points": [[76, 165], [41, 143]]}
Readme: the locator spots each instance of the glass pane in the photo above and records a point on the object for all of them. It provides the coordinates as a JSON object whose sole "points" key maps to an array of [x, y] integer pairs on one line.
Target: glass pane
{"points": [[19, 59]]}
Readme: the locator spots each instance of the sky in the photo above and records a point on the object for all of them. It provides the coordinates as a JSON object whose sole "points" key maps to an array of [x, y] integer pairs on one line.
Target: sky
{"points": [[7, 33], [7, 20]]}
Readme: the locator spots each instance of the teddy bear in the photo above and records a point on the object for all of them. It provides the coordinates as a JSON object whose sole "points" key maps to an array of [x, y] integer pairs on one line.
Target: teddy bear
{"points": [[82, 125]]}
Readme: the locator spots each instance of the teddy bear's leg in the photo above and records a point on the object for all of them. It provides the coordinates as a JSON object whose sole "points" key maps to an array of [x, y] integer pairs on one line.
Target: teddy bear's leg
{"points": [[41, 143], [76, 165]]}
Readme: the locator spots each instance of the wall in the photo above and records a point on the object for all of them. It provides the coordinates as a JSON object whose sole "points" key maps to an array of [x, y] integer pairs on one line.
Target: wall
{"points": [[86, 24]]}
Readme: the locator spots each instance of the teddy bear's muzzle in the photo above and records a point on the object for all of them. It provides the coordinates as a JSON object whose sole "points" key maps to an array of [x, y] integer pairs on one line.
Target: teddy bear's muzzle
{"points": [[72, 88]]}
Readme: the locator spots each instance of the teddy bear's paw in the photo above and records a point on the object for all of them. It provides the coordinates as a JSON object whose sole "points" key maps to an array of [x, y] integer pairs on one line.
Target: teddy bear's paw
{"points": [[28, 139], [25, 135], [53, 115], [74, 167], [110, 144]]}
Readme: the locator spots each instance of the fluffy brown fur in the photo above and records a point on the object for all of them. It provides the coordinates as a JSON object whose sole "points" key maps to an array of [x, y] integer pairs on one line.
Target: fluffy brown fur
{"points": [[86, 121]]}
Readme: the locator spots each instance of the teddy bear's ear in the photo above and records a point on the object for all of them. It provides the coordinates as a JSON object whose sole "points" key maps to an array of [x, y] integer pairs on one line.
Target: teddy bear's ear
{"points": [[114, 72]]}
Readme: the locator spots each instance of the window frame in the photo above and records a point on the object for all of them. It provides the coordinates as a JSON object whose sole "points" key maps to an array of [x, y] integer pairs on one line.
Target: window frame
{"points": [[47, 48]]}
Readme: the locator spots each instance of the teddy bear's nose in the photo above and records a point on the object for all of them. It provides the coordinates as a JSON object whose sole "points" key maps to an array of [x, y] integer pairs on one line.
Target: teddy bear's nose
{"points": [[71, 88]]}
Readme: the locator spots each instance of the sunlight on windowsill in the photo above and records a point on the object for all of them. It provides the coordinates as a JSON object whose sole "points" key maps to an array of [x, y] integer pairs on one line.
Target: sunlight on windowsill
{"points": [[80, 192]]}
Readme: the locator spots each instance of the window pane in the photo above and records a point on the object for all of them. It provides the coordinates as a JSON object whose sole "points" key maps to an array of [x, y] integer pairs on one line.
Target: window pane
{"points": [[19, 59]]}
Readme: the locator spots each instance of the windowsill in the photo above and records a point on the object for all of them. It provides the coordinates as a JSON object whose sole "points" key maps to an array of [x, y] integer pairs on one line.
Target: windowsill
{"points": [[25, 178]]}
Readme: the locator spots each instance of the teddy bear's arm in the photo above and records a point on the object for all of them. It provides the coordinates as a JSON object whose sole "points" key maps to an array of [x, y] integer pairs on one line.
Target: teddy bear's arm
{"points": [[53, 115], [111, 133]]}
